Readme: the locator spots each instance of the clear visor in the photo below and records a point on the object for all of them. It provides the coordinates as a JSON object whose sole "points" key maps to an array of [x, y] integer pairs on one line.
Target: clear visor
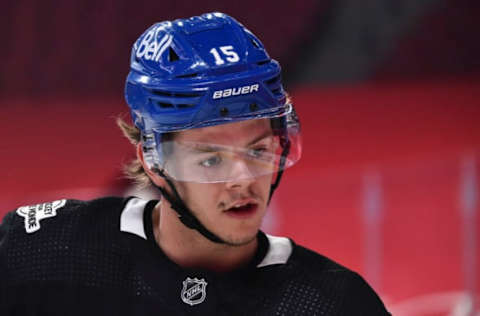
{"points": [[211, 163]]}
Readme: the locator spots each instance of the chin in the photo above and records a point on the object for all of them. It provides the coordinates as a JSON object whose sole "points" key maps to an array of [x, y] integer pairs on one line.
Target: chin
{"points": [[240, 240]]}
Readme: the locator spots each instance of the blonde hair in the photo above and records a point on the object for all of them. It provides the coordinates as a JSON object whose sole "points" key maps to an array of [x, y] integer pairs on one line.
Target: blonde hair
{"points": [[134, 169]]}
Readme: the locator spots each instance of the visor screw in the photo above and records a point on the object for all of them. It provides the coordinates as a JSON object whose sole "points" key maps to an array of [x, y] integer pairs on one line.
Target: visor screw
{"points": [[223, 111], [253, 107]]}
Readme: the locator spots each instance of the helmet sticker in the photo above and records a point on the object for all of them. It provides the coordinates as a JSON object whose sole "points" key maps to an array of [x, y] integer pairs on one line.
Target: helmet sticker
{"points": [[149, 48]]}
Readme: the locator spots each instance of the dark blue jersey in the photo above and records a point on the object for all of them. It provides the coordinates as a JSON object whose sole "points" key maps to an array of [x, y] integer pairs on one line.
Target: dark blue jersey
{"points": [[100, 257]]}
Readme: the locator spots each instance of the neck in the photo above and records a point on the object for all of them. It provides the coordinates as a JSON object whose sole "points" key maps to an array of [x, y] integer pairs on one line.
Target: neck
{"points": [[188, 248]]}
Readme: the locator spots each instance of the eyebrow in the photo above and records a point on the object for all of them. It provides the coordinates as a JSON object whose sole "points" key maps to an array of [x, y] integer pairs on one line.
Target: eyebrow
{"points": [[260, 137], [204, 148]]}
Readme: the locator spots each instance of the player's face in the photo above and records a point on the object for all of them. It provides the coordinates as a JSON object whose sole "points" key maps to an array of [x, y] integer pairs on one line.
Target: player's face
{"points": [[233, 210]]}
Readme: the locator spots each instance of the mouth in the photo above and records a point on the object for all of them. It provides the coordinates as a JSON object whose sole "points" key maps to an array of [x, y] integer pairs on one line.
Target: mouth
{"points": [[242, 209]]}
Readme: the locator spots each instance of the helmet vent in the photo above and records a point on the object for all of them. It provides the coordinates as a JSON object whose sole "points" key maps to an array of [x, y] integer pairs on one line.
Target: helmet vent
{"points": [[275, 85], [273, 80], [255, 43], [184, 106], [165, 105], [175, 94], [277, 91], [263, 62], [188, 75], [172, 55], [161, 93], [185, 95]]}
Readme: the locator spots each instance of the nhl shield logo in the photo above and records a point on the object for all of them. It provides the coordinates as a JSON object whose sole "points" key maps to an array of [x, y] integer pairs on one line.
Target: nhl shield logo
{"points": [[194, 291]]}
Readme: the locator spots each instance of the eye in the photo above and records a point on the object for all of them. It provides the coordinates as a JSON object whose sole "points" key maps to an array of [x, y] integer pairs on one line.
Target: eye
{"points": [[257, 152], [211, 162]]}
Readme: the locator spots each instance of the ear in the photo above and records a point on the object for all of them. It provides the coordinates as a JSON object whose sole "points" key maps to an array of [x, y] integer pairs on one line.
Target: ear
{"points": [[157, 179]]}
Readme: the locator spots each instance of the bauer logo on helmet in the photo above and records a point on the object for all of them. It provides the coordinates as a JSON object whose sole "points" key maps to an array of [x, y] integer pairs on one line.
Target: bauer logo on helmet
{"points": [[235, 91]]}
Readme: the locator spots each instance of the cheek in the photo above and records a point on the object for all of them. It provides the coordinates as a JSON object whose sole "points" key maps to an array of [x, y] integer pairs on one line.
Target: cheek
{"points": [[266, 183], [201, 195]]}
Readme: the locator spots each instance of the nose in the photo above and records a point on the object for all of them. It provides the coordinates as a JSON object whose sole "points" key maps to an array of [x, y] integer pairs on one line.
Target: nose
{"points": [[240, 175]]}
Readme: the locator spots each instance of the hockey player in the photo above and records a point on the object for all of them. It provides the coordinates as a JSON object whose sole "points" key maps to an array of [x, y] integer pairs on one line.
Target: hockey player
{"points": [[214, 130]]}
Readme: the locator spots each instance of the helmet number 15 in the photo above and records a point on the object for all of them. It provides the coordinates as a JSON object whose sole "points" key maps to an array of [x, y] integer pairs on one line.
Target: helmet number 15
{"points": [[228, 53]]}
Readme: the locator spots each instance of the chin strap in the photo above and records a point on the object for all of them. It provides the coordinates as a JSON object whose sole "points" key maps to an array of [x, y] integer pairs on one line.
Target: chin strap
{"points": [[285, 143], [184, 213]]}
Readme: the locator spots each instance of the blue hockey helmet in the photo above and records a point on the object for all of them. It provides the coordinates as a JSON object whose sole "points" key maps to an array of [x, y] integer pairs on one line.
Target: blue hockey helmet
{"points": [[199, 72]]}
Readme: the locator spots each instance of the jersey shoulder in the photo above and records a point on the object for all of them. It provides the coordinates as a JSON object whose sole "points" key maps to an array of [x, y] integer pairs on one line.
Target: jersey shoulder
{"points": [[67, 216], [54, 239], [341, 289]]}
